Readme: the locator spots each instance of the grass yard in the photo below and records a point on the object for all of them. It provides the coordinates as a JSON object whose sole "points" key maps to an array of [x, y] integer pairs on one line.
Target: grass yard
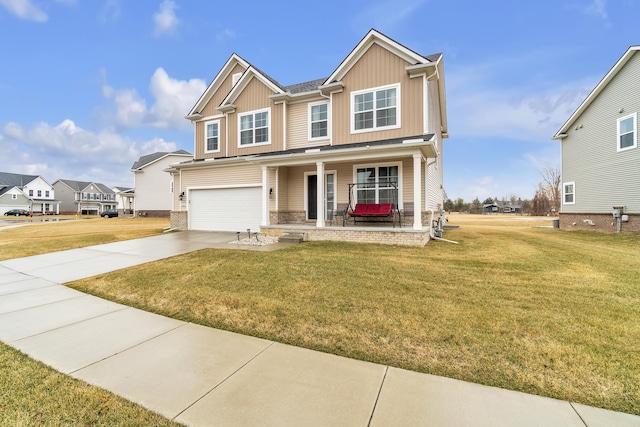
{"points": [[543, 311], [39, 238], [32, 394]]}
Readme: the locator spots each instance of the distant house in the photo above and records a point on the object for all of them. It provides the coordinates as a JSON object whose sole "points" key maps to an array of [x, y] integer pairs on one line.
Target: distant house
{"points": [[29, 192], [515, 209], [491, 208], [124, 199], [153, 186], [81, 197], [600, 154]]}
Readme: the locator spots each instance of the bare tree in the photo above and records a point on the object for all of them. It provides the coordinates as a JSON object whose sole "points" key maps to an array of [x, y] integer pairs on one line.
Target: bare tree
{"points": [[552, 178]]}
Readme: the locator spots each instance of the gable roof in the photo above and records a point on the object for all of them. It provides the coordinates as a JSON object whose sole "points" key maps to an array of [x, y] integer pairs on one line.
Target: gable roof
{"points": [[241, 84], [562, 133], [78, 186], [150, 158], [15, 179], [224, 72]]}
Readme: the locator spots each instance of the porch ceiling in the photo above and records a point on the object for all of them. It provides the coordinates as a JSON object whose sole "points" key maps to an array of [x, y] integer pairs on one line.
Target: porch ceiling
{"points": [[423, 145]]}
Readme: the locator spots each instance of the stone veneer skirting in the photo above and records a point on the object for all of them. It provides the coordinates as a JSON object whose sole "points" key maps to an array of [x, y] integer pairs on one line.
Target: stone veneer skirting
{"points": [[179, 220], [360, 234], [598, 222]]}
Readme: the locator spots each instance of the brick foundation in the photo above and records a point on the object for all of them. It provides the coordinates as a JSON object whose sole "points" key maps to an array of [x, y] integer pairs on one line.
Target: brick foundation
{"points": [[599, 222], [398, 236]]}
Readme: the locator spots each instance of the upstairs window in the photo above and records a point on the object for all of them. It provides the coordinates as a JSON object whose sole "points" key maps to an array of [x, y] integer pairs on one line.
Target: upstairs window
{"points": [[14, 197], [569, 196], [46, 193], [318, 120], [375, 109], [627, 132], [30, 193], [254, 128], [39, 193], [212, 137]]}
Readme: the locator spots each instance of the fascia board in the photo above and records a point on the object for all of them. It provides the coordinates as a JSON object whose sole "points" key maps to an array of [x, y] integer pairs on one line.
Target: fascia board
{"points": [[249, 74], [374, 37], [562, 133], [216, 82]]}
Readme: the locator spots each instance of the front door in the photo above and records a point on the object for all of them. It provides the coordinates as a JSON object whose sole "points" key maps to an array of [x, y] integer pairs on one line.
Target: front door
{"points": [[312, 196]]}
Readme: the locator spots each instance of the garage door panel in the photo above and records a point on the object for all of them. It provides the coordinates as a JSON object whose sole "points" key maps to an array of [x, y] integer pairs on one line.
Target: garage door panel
{"points": [[226, 209]]}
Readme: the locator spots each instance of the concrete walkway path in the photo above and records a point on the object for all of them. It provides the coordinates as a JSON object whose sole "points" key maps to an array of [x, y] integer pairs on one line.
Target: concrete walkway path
{"points": [[202, 376]]}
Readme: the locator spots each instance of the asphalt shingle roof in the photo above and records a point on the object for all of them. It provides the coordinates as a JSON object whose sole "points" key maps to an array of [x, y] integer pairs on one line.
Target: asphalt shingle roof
{"points": [[15, 179], [146, 159]]}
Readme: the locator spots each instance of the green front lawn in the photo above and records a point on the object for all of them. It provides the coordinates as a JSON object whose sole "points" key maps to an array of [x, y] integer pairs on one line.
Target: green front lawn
{"points": [[550, 312]]}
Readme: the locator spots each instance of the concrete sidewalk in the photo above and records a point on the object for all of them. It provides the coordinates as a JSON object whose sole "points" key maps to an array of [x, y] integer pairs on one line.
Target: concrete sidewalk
{"points": [[202, 376]]}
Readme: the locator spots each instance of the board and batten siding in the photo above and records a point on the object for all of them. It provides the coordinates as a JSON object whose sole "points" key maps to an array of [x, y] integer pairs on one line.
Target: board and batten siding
{"points": [[211, 110], [378, 67], [603, 176]]}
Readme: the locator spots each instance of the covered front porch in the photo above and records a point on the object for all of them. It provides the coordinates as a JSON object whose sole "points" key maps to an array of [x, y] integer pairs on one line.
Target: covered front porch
{"points": [[318, 192]]}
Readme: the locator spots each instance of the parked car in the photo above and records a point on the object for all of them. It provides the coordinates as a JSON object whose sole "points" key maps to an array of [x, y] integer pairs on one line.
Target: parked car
{"points": [[16, 212], [109, 213]]}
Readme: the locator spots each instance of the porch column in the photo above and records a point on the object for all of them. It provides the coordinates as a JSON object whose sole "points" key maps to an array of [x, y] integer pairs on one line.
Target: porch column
{"points": [[265, 196], [320, 209], [417, 192]]}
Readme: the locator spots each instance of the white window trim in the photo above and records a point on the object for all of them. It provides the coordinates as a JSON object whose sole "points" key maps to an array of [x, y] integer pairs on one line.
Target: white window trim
{"points": [[635, 132], [375, 128], [254, 112], [564, 193], [378, 165], [14, 197], [309, 122], [205, 136]]}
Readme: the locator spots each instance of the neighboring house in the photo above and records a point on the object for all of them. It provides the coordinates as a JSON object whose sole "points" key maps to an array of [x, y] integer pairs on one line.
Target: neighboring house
{"points": [[124, 199], [153, 186], [80, 197], [280, 159], [37, 194], [516, 209], [600, 153], [491, 208]]}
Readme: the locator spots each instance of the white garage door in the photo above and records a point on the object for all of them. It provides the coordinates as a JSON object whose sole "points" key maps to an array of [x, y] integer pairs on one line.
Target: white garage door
{"points": [[226, 209]]}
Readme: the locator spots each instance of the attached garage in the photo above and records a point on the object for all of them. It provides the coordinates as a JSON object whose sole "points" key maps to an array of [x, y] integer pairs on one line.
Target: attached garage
{"points": [[225, 209]]}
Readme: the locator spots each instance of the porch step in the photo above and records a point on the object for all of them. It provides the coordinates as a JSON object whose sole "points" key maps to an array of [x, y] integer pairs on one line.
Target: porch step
{"points": [[291, 238]]}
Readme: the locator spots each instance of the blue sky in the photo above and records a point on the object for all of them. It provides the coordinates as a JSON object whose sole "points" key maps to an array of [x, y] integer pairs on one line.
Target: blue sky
{"points": [[88, 86]]}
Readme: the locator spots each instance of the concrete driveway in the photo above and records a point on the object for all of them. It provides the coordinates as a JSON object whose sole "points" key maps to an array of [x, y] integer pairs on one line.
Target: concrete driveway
{"points": [[202, 376]]}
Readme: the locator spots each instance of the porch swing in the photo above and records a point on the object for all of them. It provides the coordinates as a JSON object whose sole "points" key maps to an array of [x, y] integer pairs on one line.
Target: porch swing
{"points": [[365, 209]]}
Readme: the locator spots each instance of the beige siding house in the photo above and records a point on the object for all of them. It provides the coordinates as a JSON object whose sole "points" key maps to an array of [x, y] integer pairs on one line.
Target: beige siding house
{"points": [[299, 159], [153, 187], [600, 154]]}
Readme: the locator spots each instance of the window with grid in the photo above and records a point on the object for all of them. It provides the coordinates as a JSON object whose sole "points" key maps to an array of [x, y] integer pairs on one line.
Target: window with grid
{"points": [[627, 132], [254, 128], [375, 109], [569, 193], [319, 120], [212, 136], [377, 184]]}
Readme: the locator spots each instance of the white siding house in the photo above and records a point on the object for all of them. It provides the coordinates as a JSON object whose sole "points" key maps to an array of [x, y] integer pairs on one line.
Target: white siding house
{"points": [[153, 187]]}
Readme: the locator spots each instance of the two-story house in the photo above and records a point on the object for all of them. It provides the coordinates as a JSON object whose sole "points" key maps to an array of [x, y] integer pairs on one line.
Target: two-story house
{"points": [[153, 187], [600, 154], [80, 197], [29, 192], [279, 159]]}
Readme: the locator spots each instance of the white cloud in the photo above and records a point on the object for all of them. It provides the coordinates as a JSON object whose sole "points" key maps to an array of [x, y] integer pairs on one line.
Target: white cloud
{"points": [[597, 8], [24, 9], [226, 34], [172, 101], [67, 151], [110, 11], [165, 20]]}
